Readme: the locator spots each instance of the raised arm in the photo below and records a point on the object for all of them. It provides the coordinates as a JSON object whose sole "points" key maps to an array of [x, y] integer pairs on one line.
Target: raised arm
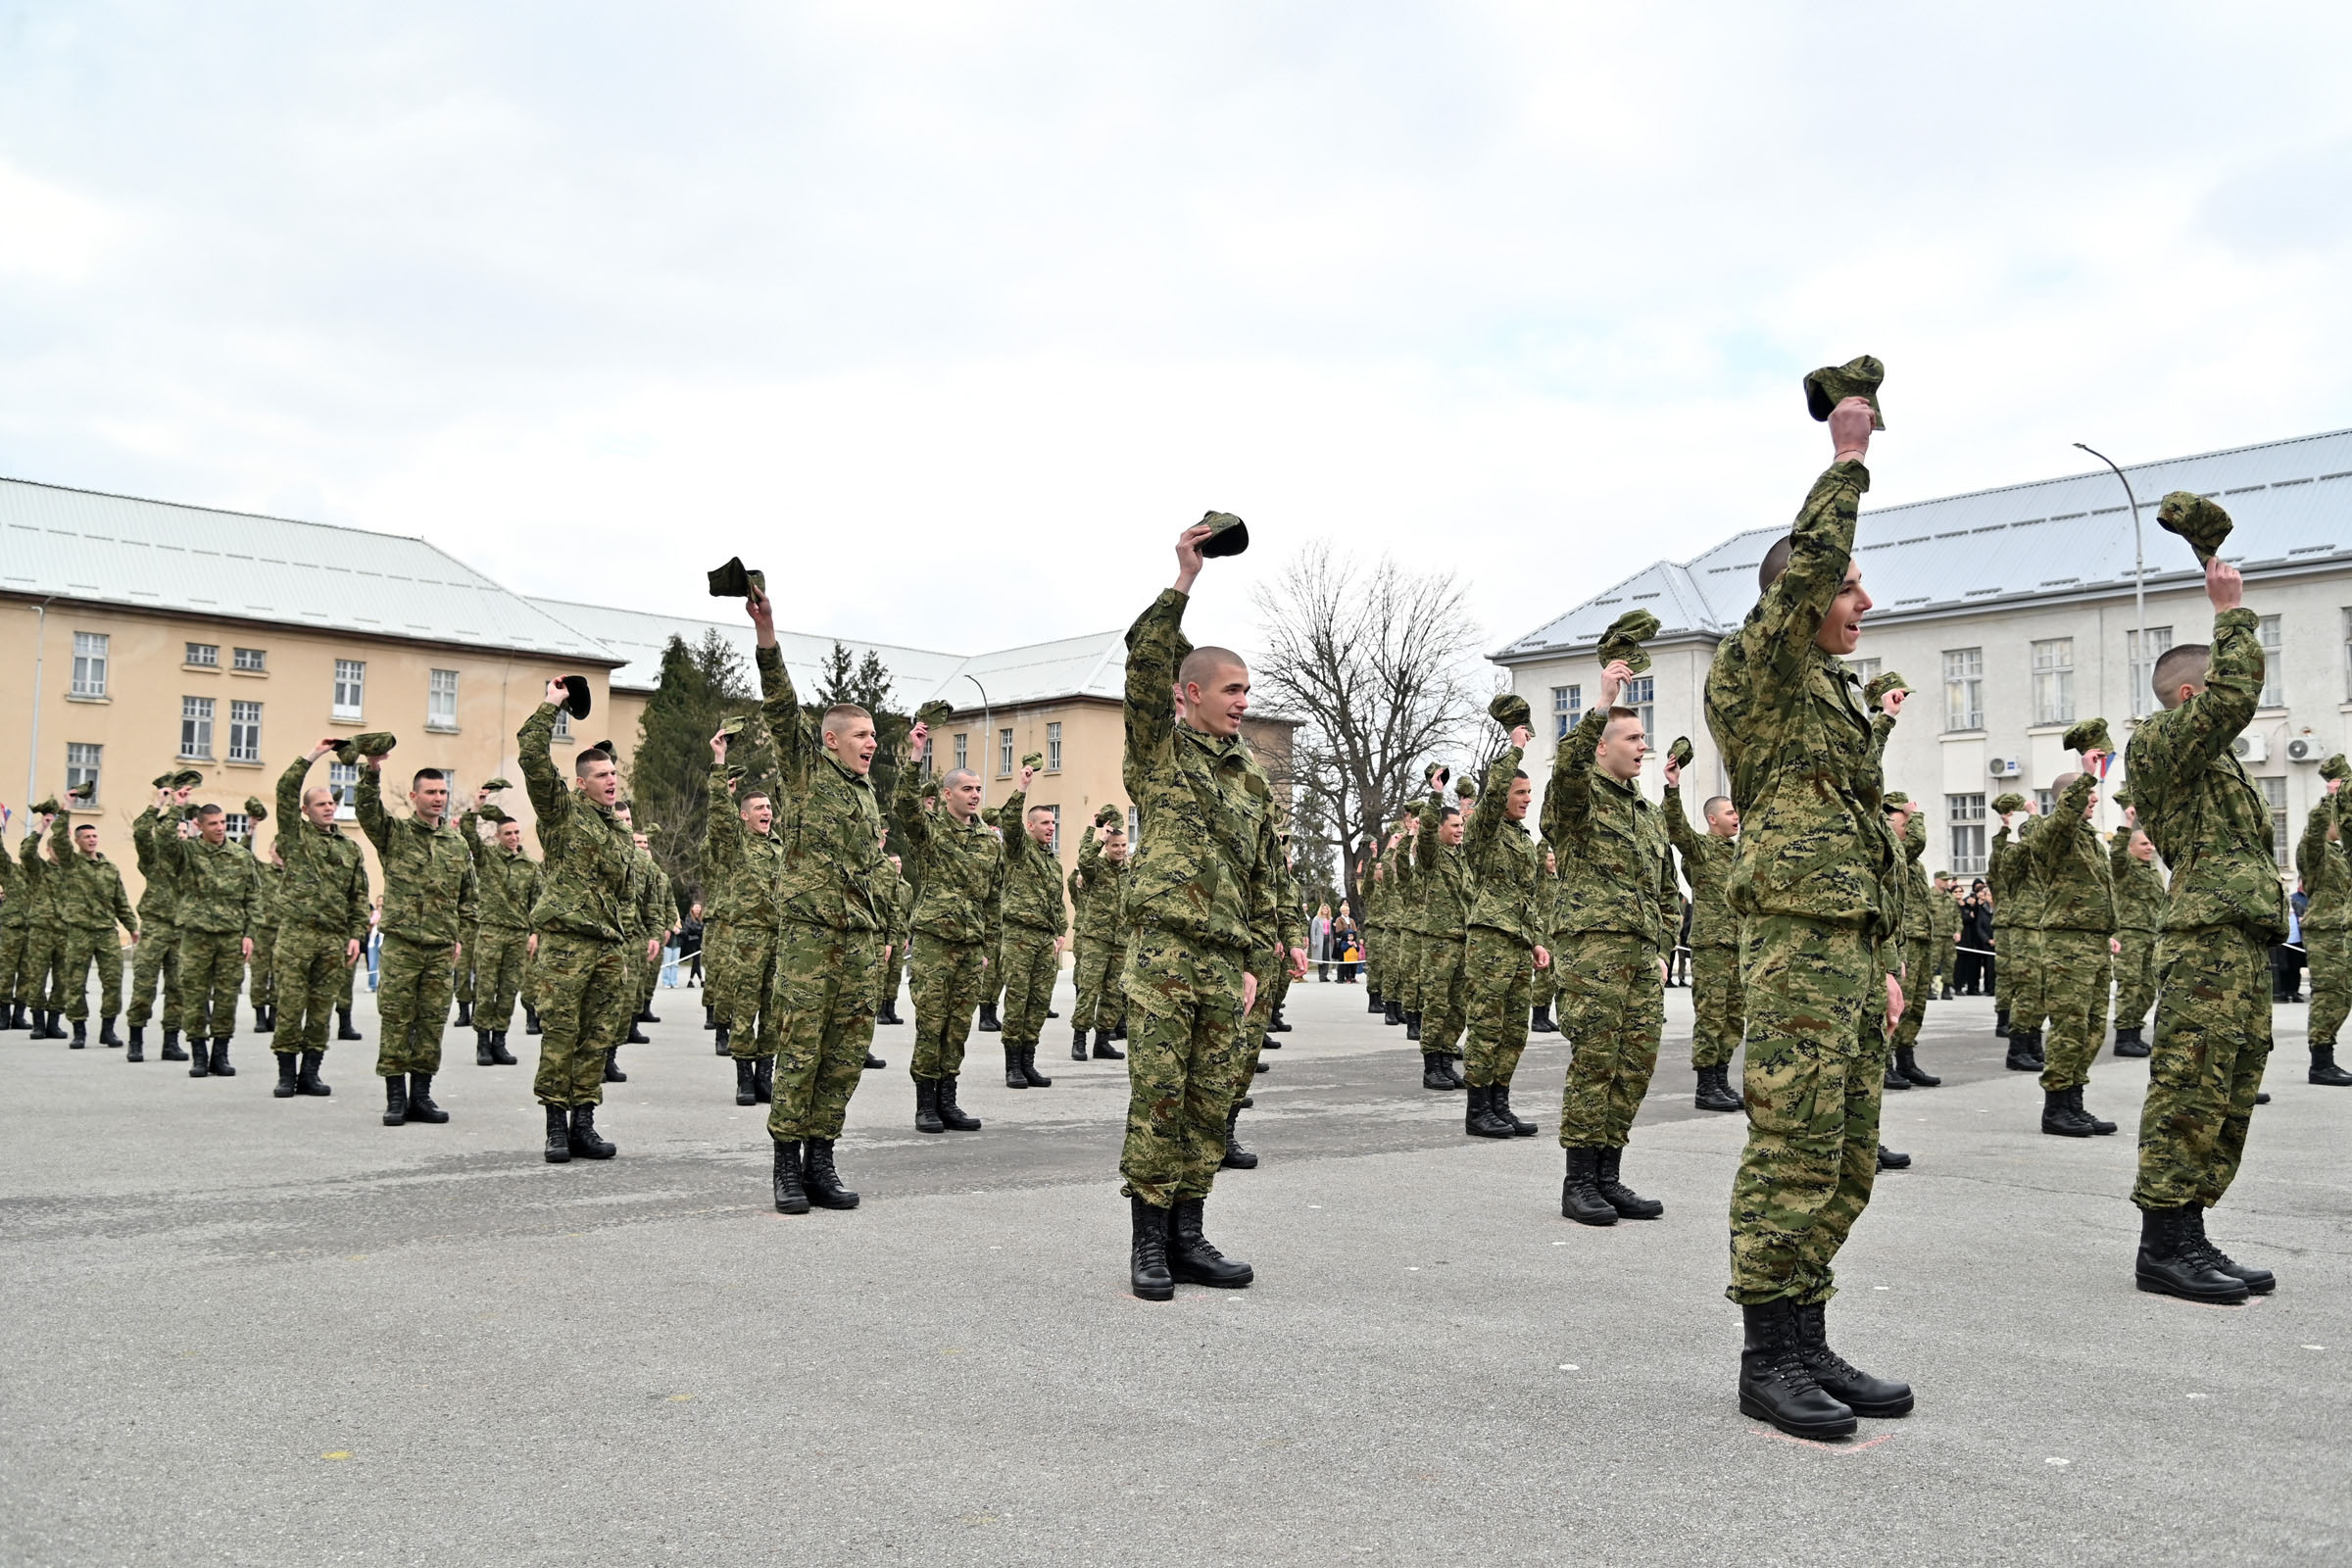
{"points": [[1487, 818], [1155, 649], [1568, 800], [2056, 836], [1679, 833], [2311, 853], [375, 820], [551, 800], [907, 800]]}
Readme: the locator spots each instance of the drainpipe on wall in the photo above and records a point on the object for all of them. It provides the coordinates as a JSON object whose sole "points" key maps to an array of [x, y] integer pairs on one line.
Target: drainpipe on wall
{"points": [[41, 648]]}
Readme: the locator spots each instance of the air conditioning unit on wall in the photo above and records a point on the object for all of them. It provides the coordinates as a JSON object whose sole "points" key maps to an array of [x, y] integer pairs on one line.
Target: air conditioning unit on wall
{"points": [[2251, 747], [2003, 767], [2303, 749]]}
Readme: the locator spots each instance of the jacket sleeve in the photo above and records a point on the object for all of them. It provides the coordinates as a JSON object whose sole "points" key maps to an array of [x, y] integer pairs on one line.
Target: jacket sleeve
{"points": [[2311, 853], [1485, 820], [375, 820], [723, 834], [1155, 649], [289, 813], [906, 808], [1681, 834], [355, 925], [470, 894], [787, 726], [125, 915], [2055, 840], [1425, 843], [2204, 725], [1568, 800], [551, 802], [61, 838], [1793, 607]]}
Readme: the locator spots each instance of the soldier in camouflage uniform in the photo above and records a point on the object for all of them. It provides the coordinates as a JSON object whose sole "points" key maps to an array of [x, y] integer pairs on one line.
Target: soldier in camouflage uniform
{"points": [[1547, 989], [1371, 931], [2328, 924], [2077, 943], [1203, 885], [44, 938], [218, 887], [156, 959], [1034, 930], [322, 923], [1097, 887], [14, 894], [2140, 899], [651, 919], [430, 903], [1917, 938], [955, 920], [1507, 944], [1443, 874], [1715, 995], [91, 902], [1408, 917], [2017, 899], [260, 981], [1812, 889], [894, 895], [1278, 940], [506, 884]]}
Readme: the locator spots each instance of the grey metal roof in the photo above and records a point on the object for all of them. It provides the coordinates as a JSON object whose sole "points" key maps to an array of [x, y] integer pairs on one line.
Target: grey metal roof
{"points": [[159, 555], [2051, 539]]}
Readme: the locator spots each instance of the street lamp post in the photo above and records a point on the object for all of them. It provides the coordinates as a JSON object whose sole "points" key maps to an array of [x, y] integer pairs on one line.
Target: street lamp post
{"points": [[2139, 562], [988, 731]]}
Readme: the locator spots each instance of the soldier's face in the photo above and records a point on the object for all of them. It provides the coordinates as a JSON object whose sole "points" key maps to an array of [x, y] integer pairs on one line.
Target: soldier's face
{"points": [[1114, 848], [602, 782], [1551, 863], [2143, 847], [1521, 795], [319, 806], [430, 798], [1449, 829], [214, 828], [853, 745], [641, 840], [1217, 705], [963, 795], [1841, 628], [1724, 820], [1041, 826], [758, 813], [85, 839], [509, 835], [1622, 747]]}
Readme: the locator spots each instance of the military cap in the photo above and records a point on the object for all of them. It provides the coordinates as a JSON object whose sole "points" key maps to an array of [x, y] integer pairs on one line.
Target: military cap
{"points": [[187, 778], [2089, 735], [737, 773], [1885, 681], [1465, 787], [2337, 768], [498, 784], [612, 751], [162, 781], [1232, 535], [1895, 800], [2004, 804], [1681, 752], [2196, 519], [1510, 710], [576, 696], [734, 581], [2123, 797], [84, 791], [1625, 637], [1832, 384], [47, 808], [650, 828], [1438, 775], [494, 814], [734, 725], [255, 811], [1033, 760], [374, 743], [1111, 815]]}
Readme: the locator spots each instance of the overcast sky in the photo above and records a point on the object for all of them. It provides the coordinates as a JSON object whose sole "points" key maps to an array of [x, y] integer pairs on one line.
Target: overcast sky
{"points": [[950, 316]]}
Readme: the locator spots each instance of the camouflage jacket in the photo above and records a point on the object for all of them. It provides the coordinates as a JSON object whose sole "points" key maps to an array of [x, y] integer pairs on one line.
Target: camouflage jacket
{"points": [[428, 871], [89, 890], [326, 878], [1616, 874], [893, 893], [1407, 896], [13, 891], [218, 885], [2078, 890], [826, 817], [2325, 875], [2139, 887], [1284, 927], [271, 901], [1509, 892], [156, 898], [654, 911], [1205, 870], [506, 884], [1707, 860], [34, 897], [2011, 873], [590, 876], [742, 872], [2206, 817], [1919, 896], [1443, 874], [1789, 723], [1031, 884], [1098, 884], [961, 865]]}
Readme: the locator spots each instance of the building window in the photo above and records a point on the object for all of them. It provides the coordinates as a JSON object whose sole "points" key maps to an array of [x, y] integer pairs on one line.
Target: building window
{"points": [[441, 699], [2348, 654], [1053, 748], [204, 656], [1054, 842], [89, 664], [1963, 688], [562, 729], [343, 779], [2143, 665], [964, 754], [196, 727], [350, 687], [1865, 670], [1641, 693], [244, 732], [81, 767], [2044, 800], [2273, 795], [1966, 812], [1568, 704], [238, 825], [2054, 681], [252, 660], [1004, 754], [2274, 666]]}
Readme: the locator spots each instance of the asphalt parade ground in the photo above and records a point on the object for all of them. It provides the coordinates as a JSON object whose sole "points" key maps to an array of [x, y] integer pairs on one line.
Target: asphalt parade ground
{"points": [[241, 1330]]}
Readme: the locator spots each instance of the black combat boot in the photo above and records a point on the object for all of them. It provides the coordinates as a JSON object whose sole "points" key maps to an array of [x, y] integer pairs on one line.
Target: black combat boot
{"points": [[1906, 1062], [500, 1056], [889, 1012], [1120, 1031], [2171, 1263], [396, 1099], [1104, 1050], [709, 1016], [57, 1024], [306, 1082], [220, 1067], [2000, 1023], [481, 1048], [138, 1045], [953, 1116], [1454, 1071], [2099, 1125], [1190, 1257], [1628, 1203], [265, 1020], [1014, 1078], [1894, 1079], [200, 1064], [343, 1028], [1372, 1002], [926, 1107], [2060, 1118], [987, 1017], [821, 1179], [763, 1079], [648, 1015], [1278, 1025], [1580, 1192], [791, 1198], [1498, 1104], [2324, 1069], [719, 1042], [1078, 1045], [1839, 1378], [464, 1015], [420, 1099], [81, 1040], [1269, 1043], [171, 1050], [2129, 1042], [1433, 1071], [612, 1072], [1148, 1252], [1392, 1012], [12, 1016], [1412, 1027], [1478, 1116], [1776, 1383], [1891, 1159], [285, 1076], [635, 1036], [1235, 1157], [558, 1137], [1715, 1091], [2021, 1057], [2258, 1280], [113, 1042], [530, 1019], [1542, 1023], [744, 1094], [2033, 1045], [1037, 1080], [584, 1139], [874, 1063]]}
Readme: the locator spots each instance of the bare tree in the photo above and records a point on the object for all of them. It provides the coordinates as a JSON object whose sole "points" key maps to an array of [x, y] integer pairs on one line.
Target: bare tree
{"points": [[1376, 660]]}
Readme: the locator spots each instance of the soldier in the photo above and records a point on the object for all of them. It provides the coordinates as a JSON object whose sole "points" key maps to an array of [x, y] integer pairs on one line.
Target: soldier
{"points": [[430, 902], [156, 959], [1409, 913], [993, 991], [261, 986], [321, 922], [1506, 945], [1279, 929], [830, 953], [744, 871], [91, 902], [1375, 892], [506, 884], [218, 887], [44, 938], [1945, 928], [2017, 896], [2326, 923], [955, 918], [1810, 890], [1034, 930], [1203, 882], [1546, 987], [2140, 899], [1718, 1017], [651, 921], [2078, 937], [1919, 942], [1097, 887], [894, 896], [1443, 874], [14, 893]]}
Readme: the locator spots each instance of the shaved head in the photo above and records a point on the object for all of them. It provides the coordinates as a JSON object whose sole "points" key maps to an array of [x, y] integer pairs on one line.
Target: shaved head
{"points": [[1203, 665], [960, 776], [2182, 665]]}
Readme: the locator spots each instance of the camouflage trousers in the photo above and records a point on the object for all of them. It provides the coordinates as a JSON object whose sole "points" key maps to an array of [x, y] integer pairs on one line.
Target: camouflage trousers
{"points": [[1816, 1070], [2213, 1038], [1101, 1004], [2018, 979], [1375, 939], [14, 936], [950, 979], [825, 996], [310, 969], [1719, 1002], [2329, 955], [497, 957], [649, 972], [1941, 955], [747, 1002], [1027, 963], [1499, 972], [261, 970], [582, 992], [211, 966], [1915, 996], [717, 996], [44, 966], [894, 975], [1545, 989], [351, 975], [1612, 1011], [2074, 988], [1444, 995], [461, 979], [411, 1005], [85, 950], [2134, 978], [1401, 982], [1254, 1021], [1185, 1064]]}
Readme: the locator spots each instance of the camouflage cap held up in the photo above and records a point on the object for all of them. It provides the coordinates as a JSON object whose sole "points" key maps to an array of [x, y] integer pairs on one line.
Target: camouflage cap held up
{"points": [[1681, 752], [1111, 815], [734, 581], [187, 778], [1895, 800], [498, 784], [1465, 787], [162, 781], [2337, 768], [576, 696], [2196, 519], [84, 792], [2089, 735], [1624, 639], [1832, 384], [2004, 804], [47, 808], [1033, 759], [934, 714], [255, 811], [1510, 710], [374, 743], [733, 725], [494, 814], [1231, 538], [1885, 681]]}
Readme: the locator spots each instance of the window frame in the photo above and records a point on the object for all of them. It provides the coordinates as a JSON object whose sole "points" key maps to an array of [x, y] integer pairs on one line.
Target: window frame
{"points": [[201, 656], [1005, 752], [2053, 679], [89, 770], [1967, 822], [1568, 709], [436, 690], [963, 751], [257, 664], [356, 711], [244, 731], [94, 658], [1054, 751], [196, 719], [2274, 799], [1970, 679], [2271, 631], [2143, 670]]}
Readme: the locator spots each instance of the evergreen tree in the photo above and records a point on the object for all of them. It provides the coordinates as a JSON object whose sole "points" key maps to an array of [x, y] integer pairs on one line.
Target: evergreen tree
{"points": [[668, 777]]}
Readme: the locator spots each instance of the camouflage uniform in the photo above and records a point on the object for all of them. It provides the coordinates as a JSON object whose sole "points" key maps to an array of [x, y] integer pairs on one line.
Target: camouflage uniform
{"points": [[506, 884], [2223, 911], [1812, 889], [2327, 923], [44, 939], [1443, 874], [1099, 884], [956, 923], [16, 893], [1546, 987], [321, 912], [1944, 927], [1715, 992], [1407, 913], [2138, 911], [1918, 933], [657, 913], [261, 985], [218, 887], [157, 957], [2017, 899], [1509, 918], [2078, 920], [894, 896], [1372, 931], [429, 904], [91, 902], [1033, 921], [744, 875], [1202, 881], [1283, 928]]}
